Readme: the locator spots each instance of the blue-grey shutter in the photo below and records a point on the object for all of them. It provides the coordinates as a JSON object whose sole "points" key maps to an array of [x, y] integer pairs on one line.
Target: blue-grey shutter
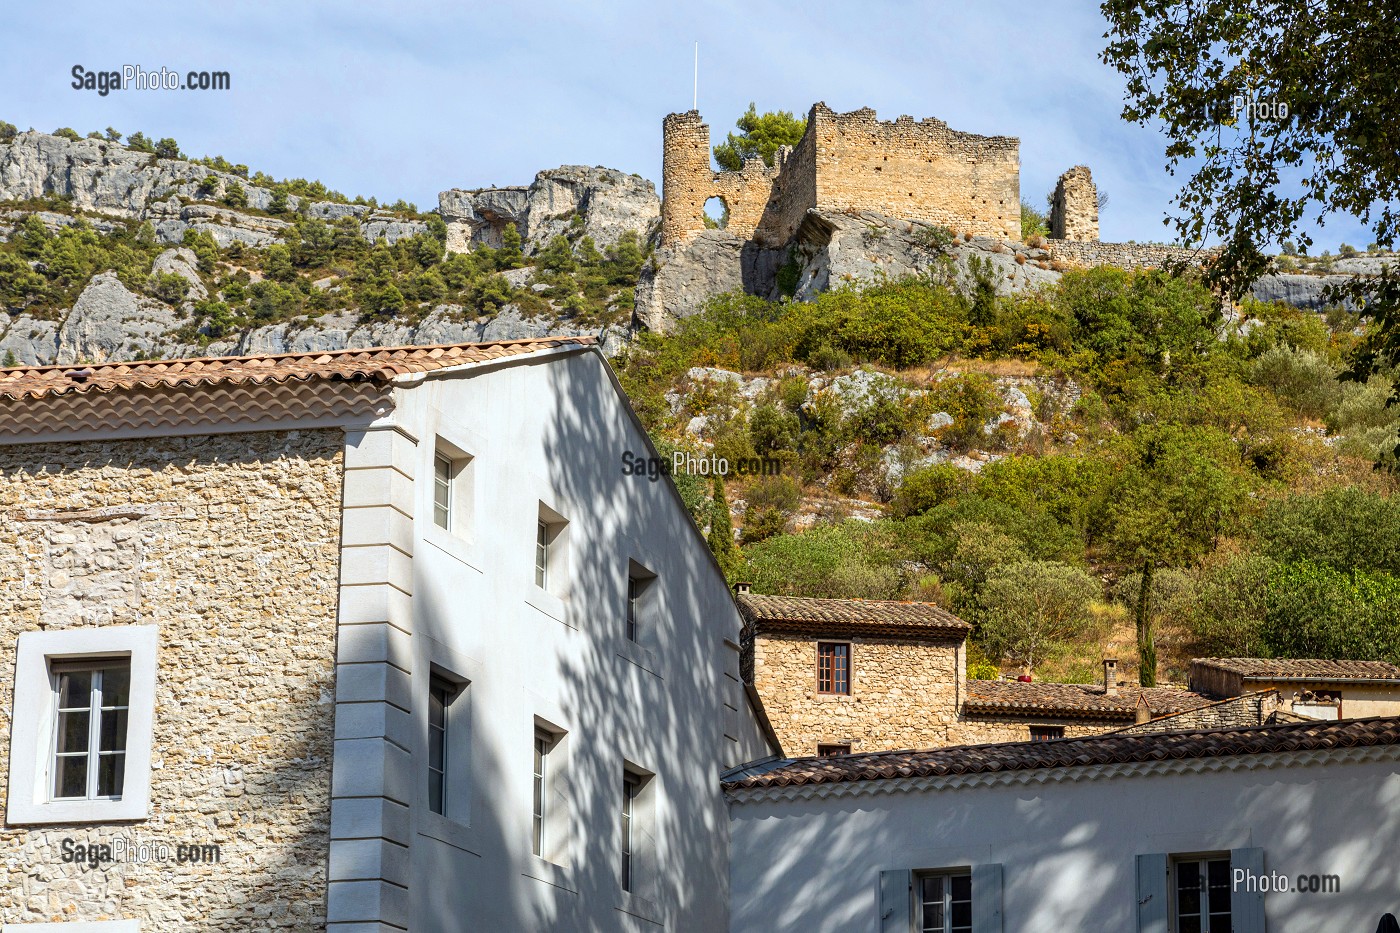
{"points": [[1247, 907], [1152, 893], [896, 907], [986, 898]]}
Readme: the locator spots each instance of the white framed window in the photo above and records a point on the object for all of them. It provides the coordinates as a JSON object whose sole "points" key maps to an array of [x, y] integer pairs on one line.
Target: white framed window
{"points": [[639, 593], [631, 786], [84, 713], [943, 902], [636, 831], [1201, 893], [442, 491], [91, 705], [441, 740], [544, 744], [551, 550], [453, 494]]}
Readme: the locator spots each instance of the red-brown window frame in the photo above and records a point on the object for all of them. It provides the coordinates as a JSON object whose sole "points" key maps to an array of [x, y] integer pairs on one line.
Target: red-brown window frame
{"points": [[1047, 733], [830, 749], [834, 678]]}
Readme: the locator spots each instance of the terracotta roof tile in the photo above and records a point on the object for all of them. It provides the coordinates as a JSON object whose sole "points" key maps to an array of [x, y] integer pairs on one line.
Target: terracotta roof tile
{"points": [[873, 616], [369, 364], [1082, 700], [1313, 668], [1088, 750]]}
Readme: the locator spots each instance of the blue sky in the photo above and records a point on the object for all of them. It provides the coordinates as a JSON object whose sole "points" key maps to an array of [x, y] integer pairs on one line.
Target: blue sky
{"points": [[406, 99]]}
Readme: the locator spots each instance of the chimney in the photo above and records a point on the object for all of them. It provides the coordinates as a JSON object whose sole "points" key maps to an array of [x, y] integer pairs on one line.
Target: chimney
{"points": [[1110, 677], [1143, 711], [742, 588]]}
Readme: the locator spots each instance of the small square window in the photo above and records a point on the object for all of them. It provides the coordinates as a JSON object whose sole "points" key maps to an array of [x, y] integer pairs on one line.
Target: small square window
{"points": [[1046, 733], [833, 749], [833, 667]]}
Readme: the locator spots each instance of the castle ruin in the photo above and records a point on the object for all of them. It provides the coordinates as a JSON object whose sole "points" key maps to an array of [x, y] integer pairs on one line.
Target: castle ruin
{"points": [[845, 162], [1074, 208]]}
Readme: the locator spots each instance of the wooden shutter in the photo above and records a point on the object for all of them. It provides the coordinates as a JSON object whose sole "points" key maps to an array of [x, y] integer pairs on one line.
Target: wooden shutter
{"points": [[1247, 907], [986, 898], [1152, 893], [896, 908]]}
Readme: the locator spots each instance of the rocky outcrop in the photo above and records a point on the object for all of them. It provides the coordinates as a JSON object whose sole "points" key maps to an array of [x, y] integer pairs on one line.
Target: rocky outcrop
{"points": [[678, 280], [110, 323], [1301, 291], [184, 263], [108, 180], [608, 202], [828, 250]]}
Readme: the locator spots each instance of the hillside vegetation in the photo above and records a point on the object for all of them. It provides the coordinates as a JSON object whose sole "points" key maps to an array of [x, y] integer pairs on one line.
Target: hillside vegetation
{"points": [[1217, 453]]}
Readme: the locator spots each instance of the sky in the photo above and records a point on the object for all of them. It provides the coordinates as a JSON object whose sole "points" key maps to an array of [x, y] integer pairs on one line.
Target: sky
{"points": [[407, 99]]}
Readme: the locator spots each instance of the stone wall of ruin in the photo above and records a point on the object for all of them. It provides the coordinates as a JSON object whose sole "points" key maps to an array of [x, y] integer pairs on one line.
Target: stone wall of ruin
{"points": [[1074, 208], [230, 544], [917, 171], [845, 162], [1123, 255]]}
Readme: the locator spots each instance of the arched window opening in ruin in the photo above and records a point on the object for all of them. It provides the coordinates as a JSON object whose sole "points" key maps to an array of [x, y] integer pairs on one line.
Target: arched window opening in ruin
{"points": [[716, 213]]}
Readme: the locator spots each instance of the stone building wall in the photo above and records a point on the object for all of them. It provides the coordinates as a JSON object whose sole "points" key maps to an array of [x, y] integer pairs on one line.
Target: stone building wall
{"points": [[230, 544], [976, 729], [1252, 709], [1074, 208], [903, 694], [917, 171]]}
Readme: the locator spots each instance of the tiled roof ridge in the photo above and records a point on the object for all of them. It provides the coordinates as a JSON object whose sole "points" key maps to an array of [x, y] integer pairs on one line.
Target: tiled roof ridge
{"points": [[1076, 699], [820, 610], [350, 363], [1320, 668], [1111, 748]]}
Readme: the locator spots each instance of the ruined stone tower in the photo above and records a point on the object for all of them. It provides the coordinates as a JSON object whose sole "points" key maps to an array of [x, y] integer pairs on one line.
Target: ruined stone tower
{"points": [[1074, 212], [845, 162]]}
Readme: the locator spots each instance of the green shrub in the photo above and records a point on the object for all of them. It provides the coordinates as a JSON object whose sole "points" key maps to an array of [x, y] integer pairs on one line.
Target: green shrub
{"points": [[67, 132], [1301, 378], [971, 400]]}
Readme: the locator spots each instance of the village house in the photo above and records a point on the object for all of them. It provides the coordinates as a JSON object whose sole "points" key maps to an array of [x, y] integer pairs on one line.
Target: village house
{"points": [[837, 676], [1309, 687], [385, 635]]}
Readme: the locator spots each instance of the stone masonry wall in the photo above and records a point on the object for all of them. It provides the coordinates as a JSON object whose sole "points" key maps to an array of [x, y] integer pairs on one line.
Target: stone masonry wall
{"points": [[917, 171], [1123, 255], [1252, 709], [903, 695], [979, 730], [230, 544], [1074, 208]]}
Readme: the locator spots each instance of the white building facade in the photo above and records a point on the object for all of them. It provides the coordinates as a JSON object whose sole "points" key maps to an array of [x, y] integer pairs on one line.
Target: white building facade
{"points": [[390, 629], [1153, 833]]}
